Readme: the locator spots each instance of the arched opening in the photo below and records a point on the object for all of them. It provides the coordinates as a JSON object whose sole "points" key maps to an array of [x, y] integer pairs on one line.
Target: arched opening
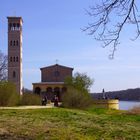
{"points": [[57, 92], [14, 26], [49, 93], [16, 59], [18, 26], [37, 90], [49, 89], [10, 59], [11, 43], [14, 74], [14, 43]]}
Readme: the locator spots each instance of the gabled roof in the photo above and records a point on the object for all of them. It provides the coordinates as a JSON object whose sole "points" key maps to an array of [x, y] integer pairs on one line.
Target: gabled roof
{"points": [[56, 65], [48, 83]]}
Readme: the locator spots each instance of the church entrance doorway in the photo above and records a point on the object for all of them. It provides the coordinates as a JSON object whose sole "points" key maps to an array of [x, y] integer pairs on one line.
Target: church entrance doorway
{"points": [[37, 90], [49, 93], [57, 92]]}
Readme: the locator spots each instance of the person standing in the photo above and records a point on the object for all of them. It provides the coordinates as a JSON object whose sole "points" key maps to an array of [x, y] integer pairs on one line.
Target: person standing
{"points": [[103, 92], [55, 101], [44, 100]]}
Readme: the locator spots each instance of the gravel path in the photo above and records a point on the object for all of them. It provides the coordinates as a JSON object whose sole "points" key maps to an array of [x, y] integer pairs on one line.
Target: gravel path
{"points": [[29, 107]]}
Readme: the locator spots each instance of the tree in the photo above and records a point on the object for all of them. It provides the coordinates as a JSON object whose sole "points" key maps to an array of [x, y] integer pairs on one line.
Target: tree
{"points": [[79, 81], [8, 94], [3, 67], [77, 95], [110, 17]]}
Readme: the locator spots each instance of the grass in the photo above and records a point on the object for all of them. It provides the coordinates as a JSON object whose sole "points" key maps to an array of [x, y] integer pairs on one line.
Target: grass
{"points": [[68, 124]]}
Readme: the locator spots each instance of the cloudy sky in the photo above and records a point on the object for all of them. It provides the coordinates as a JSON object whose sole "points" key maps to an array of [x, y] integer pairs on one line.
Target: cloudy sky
{"points": [[52, 30]]}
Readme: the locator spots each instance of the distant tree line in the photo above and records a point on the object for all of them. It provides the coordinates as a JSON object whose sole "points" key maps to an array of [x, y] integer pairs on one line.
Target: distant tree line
{"points": [[126, 95]]}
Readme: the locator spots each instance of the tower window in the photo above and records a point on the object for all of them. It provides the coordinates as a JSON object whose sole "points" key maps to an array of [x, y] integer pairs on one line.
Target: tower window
{"points": [[18, 26], [10, 59], [16, 59], [14, 43], [11, 43], [14, 26], [14, 74]]}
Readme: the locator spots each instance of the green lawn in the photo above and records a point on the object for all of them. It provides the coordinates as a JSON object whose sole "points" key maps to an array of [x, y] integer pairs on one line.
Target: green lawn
{"points": [[68, 124]]}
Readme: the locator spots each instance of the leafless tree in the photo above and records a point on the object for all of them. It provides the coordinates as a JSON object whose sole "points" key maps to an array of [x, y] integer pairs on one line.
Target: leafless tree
{"points": [[110, 17], [3, 67]]}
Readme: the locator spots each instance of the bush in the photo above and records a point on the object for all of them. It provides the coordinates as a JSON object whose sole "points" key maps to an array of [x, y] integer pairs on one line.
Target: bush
{"points": [[8, 94], [79, 81], [30, 99], [74, 98]]}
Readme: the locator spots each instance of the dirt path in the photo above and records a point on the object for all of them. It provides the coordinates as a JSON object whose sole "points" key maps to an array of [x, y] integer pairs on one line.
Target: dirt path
{"points": [[29, 107]]}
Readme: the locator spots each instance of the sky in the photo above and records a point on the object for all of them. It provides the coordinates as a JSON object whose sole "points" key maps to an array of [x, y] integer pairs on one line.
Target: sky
{"points": [[52, 31]]}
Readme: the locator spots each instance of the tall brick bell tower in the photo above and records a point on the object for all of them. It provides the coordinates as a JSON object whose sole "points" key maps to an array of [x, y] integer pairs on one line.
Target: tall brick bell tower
{"points": [[15, 51]]}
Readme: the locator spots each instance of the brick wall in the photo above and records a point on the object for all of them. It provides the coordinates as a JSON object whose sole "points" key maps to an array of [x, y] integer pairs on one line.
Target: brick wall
{"points": [[55, 73]]}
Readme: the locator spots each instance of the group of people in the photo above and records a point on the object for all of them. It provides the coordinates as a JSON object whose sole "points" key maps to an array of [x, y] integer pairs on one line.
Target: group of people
{"points": [[45, 100]]}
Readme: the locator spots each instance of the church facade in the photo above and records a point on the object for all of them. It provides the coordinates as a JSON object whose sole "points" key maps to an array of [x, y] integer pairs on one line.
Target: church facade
{"points": [[52, 81]]}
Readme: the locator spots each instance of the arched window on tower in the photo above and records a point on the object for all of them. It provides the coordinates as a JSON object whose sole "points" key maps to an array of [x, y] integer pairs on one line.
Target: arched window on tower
{"points": [[10, 59], [18, 26], [11, 43], [14, 26], [16, 59], [17, 42], [14, 74], [14, 42]]}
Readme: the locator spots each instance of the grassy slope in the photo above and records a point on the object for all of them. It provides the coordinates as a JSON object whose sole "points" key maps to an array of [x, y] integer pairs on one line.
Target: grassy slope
{"points": [[66, 124]]}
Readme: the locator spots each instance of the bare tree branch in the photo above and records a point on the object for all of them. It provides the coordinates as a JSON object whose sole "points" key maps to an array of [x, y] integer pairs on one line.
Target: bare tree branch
{"points": [[3, 67], [110, 18]]}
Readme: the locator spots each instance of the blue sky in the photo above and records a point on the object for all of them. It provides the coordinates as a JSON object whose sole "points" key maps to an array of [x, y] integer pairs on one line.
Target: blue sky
{"points": [[51, 30]]}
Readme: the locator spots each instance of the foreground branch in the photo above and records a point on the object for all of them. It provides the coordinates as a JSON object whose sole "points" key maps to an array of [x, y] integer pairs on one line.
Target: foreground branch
{"points": [[109, 19]]}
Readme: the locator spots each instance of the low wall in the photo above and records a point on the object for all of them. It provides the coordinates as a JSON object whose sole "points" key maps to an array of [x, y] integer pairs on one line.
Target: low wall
{"points": [[110, 104]]}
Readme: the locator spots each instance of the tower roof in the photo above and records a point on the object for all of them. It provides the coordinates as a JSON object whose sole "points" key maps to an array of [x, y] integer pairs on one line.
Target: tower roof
{"points": [[15, 18]]}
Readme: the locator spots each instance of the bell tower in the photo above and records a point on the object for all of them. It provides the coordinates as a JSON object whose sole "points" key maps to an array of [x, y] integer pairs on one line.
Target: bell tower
{"points": [[15, 51]]}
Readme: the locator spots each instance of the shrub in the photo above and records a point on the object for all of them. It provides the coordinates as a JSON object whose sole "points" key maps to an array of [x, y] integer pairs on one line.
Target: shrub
{"points": [[8, 94], [77, 95], [79, 81], [74, 98], [30, 99]]}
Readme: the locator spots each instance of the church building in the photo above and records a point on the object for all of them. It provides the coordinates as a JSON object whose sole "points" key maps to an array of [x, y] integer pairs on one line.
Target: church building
{"points": [[52, 77], [52, 81]]}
